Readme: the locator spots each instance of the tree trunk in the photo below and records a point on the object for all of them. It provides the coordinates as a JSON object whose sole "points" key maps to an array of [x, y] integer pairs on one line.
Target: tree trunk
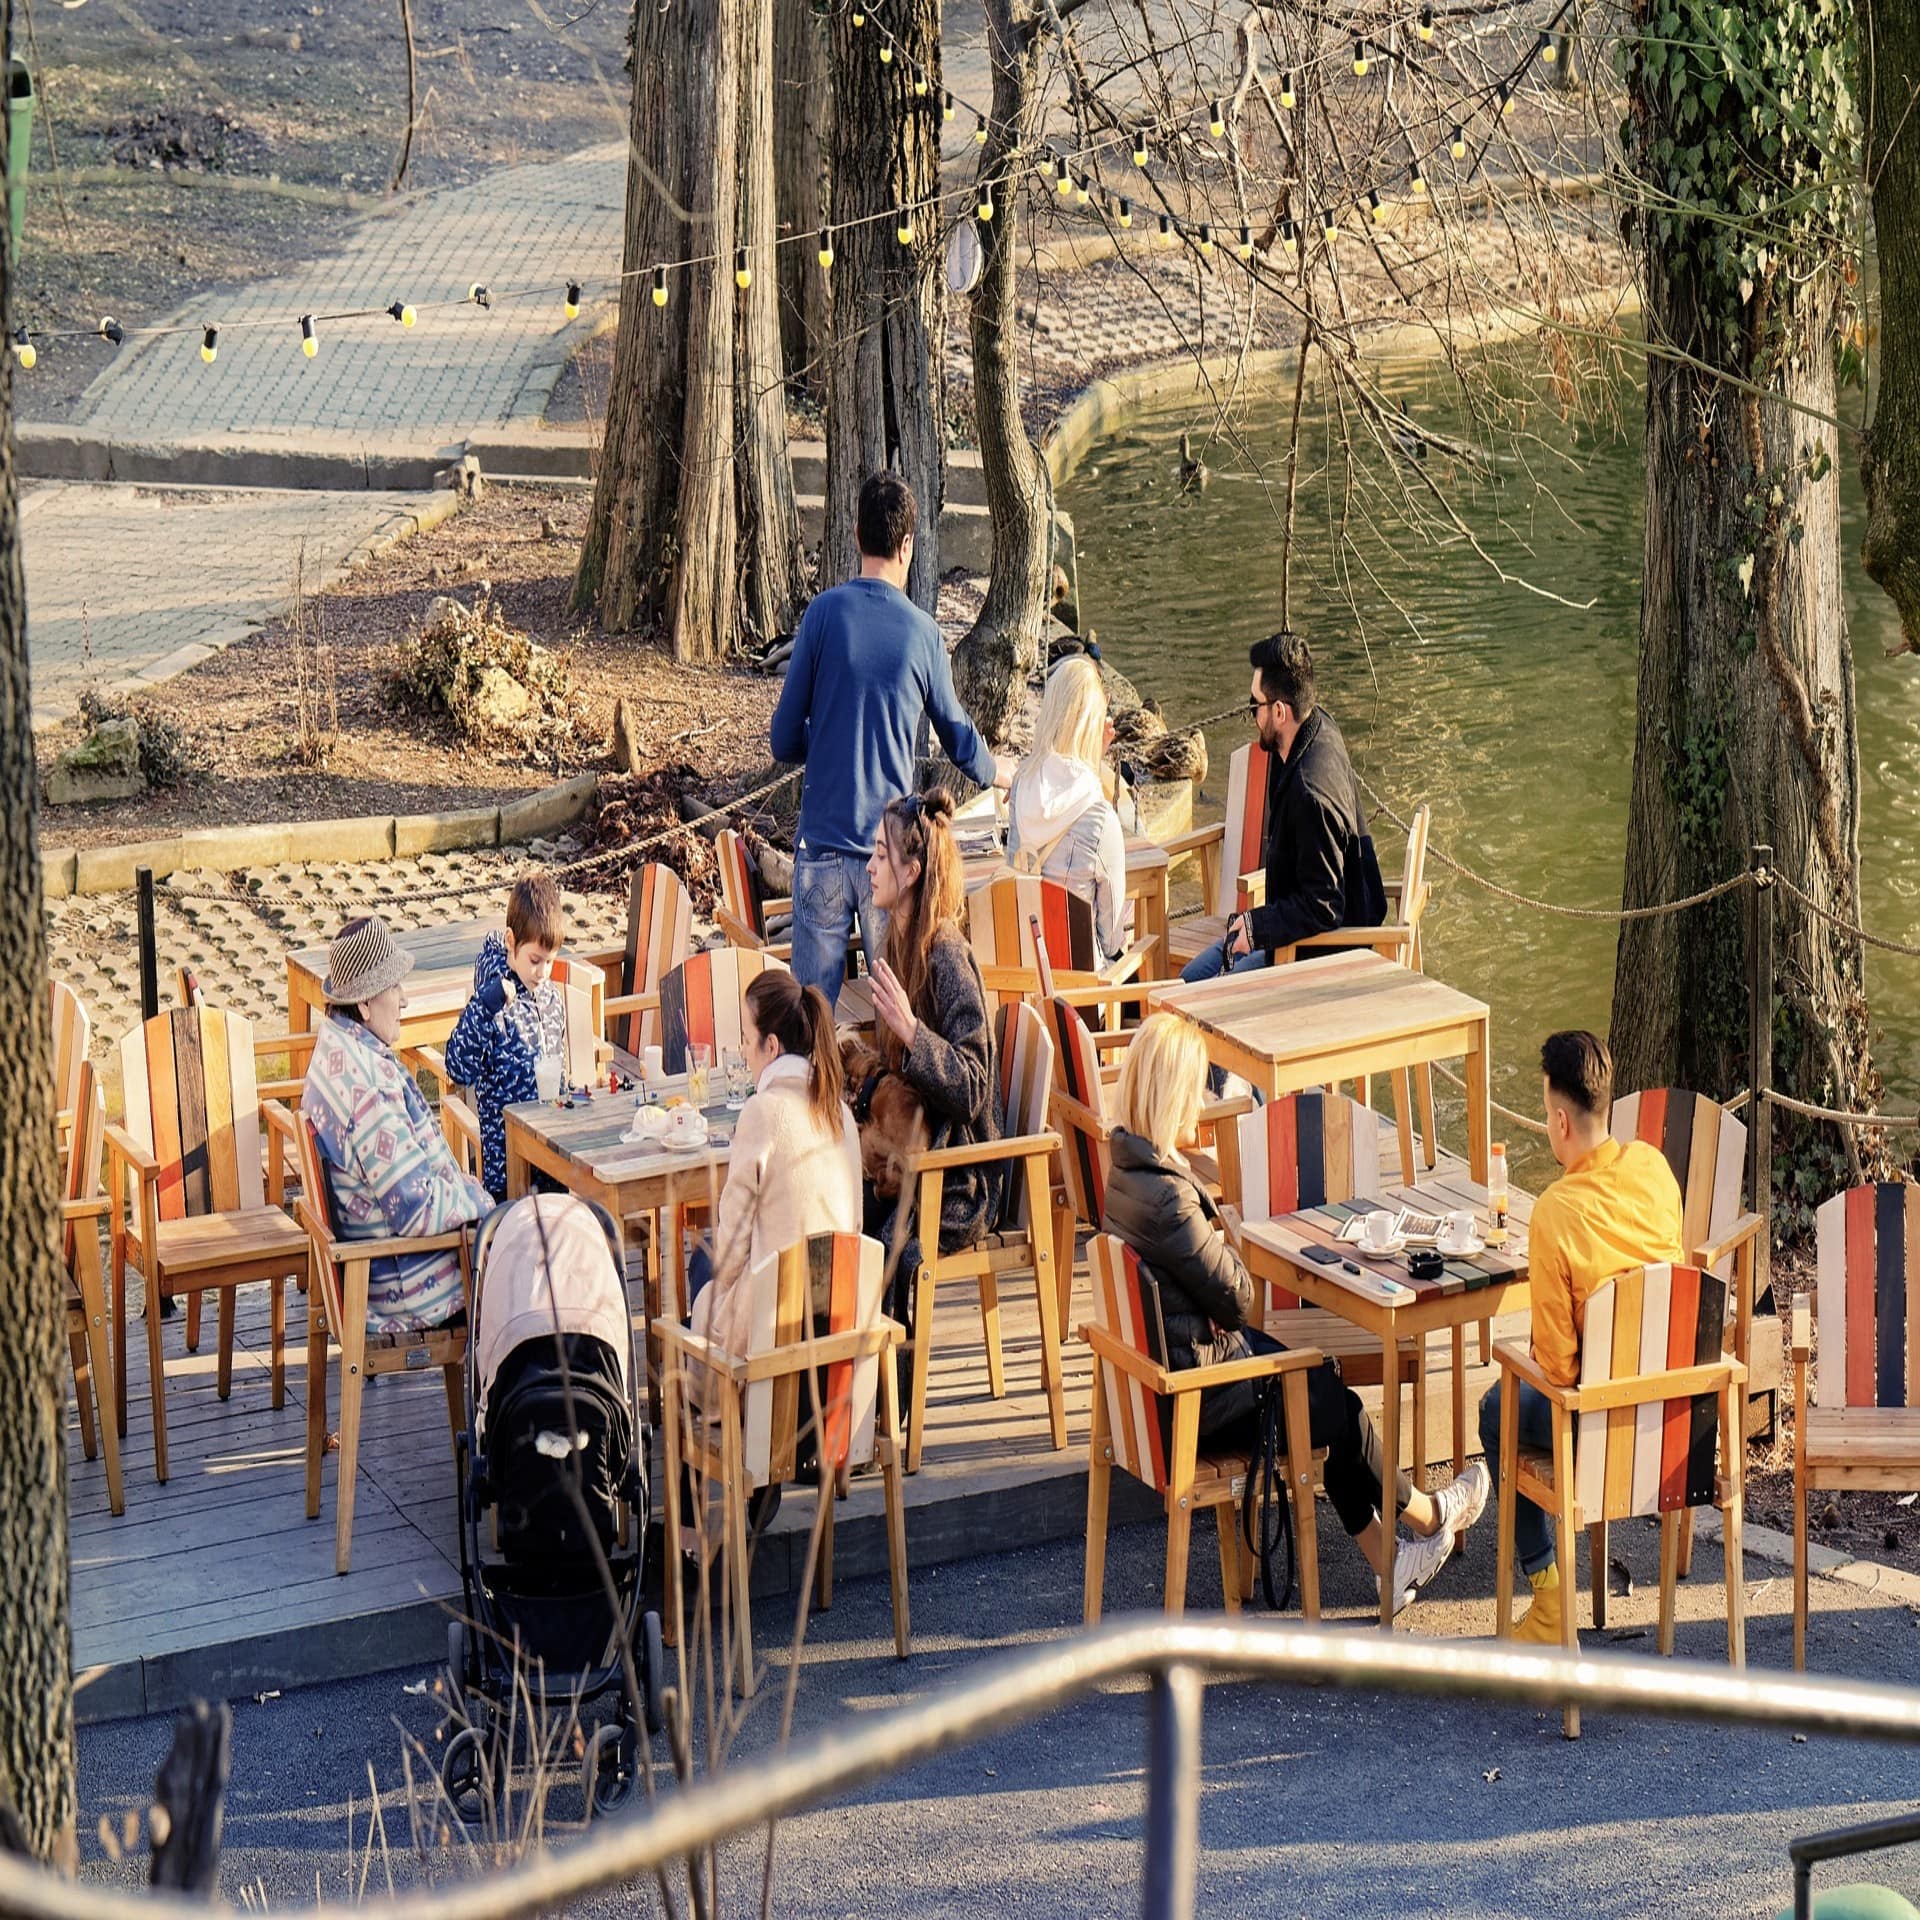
{"points": [[1007, 641], [802, 117], [1746, 726], [36, 1657], [886, 382], [1890, 69], [694, 486]]}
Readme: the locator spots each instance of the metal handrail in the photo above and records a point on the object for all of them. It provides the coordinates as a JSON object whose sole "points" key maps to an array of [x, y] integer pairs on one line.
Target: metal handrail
{"points": [[1177, 1656]]}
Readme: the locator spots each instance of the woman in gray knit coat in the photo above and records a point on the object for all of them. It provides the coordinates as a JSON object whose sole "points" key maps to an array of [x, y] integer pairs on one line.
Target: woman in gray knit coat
{"points": [[931, 1010]]}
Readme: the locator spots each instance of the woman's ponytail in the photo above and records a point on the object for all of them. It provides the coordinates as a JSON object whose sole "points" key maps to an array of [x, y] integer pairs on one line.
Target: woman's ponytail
{"points": [[826, 1081]]}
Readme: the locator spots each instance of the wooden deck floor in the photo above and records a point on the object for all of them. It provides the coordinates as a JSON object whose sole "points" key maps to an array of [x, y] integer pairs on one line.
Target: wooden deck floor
{"points": [[218, 1584]]}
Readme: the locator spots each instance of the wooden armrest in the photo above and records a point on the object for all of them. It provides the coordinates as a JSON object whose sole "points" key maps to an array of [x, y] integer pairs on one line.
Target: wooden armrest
{"points": [[1251, 886], [603, 958], [296, 1046], [1517, 1360], [1215, 1111], [63, 1121], [699, 1349], [769, 908], [821, 1350], [737, 932], [280, 1119], [1802, 1327], [616, 1004], [1111, 1039], [343, 1252], [1150, 1374], [1645, 1389], [1103, 993], [1341, 938], [272, 1092], [1130, 962], [121, 1145], [85, 1209], [1066, 1106], [1744, 1232], [1177, 844], [1018, 1147]]}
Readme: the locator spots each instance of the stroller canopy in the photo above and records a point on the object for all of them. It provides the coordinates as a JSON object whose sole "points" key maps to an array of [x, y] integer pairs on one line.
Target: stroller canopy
{"points": [[546, 1268]]}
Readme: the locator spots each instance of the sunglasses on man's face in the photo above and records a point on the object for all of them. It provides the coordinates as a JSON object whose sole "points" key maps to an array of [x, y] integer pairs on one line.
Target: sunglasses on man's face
{"points": [[1254, 706]]}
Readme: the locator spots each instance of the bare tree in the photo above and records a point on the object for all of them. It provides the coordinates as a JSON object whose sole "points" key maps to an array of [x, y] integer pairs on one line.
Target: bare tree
{"points": [[802, 122]]}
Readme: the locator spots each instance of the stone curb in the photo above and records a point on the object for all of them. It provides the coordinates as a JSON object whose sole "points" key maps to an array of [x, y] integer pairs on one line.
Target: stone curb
{"points": [[65, 872], [1870, 1576]]}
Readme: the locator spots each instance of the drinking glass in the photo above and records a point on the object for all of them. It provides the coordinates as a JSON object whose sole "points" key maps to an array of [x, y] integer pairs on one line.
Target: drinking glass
{"points": [[699, 1066], [739, 1081], [546, 1078]]}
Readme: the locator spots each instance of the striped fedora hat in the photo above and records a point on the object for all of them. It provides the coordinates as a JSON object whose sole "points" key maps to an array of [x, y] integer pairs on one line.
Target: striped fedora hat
{"points": [[363, 961]]}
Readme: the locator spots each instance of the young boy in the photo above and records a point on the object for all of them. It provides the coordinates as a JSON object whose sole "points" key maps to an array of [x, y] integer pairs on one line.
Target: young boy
{"points": [[516, 1016]]}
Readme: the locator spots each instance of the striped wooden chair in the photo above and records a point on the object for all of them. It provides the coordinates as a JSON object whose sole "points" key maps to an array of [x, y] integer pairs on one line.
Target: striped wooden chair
{"points": [[72, 1036], [1080, 1117], [1024, 1235], [1001, 915], [659, 937], [197, 1218], [337, 1317], [746, 914], [82, 1208], [736, 1420], [1146, 1421], [1859, 1428], [1232, 855], [1636, 1436], [701, 1002]]}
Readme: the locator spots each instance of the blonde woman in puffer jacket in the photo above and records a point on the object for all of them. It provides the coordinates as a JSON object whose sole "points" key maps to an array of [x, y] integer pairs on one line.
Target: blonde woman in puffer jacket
{"points": [[1061, 824]]}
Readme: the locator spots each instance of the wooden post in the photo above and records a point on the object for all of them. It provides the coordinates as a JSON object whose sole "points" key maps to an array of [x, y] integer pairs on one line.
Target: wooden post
{"points": [[1760, 1108], [149, 949]]}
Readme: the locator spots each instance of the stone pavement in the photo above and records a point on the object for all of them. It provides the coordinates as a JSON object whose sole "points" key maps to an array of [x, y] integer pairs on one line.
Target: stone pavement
{"points": [[531, 228], [137, 584]]}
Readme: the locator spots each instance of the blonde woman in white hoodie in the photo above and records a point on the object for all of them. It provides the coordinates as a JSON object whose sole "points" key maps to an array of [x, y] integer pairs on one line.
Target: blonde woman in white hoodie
{"points": [[1061, 823]]}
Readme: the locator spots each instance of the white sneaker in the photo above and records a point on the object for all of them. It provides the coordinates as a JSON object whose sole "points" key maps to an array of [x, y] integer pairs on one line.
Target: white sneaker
{"points": [[1415, 1561], [1465, 1500]]}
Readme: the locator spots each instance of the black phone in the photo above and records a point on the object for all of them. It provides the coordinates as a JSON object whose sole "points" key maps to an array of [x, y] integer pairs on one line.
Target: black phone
{"points": [[1324, 1256]]}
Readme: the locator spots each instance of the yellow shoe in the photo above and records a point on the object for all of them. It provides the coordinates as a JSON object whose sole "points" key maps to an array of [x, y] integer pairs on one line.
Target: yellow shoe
{"points": [[1541, 1625]]}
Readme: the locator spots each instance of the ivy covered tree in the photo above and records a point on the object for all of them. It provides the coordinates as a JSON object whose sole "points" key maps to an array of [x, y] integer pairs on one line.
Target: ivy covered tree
{"points": [[1741, 147]]}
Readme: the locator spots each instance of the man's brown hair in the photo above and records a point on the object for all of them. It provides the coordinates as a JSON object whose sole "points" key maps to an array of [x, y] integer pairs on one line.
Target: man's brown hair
{"points": [[534, 911], [1580, 1070]]}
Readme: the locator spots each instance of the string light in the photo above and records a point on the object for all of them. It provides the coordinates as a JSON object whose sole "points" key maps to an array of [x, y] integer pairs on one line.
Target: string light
{"points": [[1245, 248], [1426, 23], [1063, 185], [919, 86], [1287, 94], [1125, 215], [1548, 52], [1506, 98], [1166, 230], [1081, 192], [886, 53], [1458, 147], [983, 208], [1416, 180], [1329, 226], [1139, 149], [309, 339], [479, 295], [979, 129], [1360, 59], [1216, 121], [659, 286], [111, 329], [1287, 237], [23, 349], [1206, 241], [1050, 166], [904, 231], [823, 247], [210, 345], [742, 270], [859, 18], [572, 302], [406, 315], [946, 104], [1374, 207]]}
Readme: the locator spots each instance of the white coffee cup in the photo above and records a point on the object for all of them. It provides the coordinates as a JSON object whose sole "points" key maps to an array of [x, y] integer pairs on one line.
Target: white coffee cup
{"points": [[653, 1066], [546, 1077], [1457, 1231], [1376, 1230]]}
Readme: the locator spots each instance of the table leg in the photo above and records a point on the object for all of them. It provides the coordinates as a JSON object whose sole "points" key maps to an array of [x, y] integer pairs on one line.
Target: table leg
{"points": [[1479, 1103], [1459, 1401], [1152, 911], [1420, 1411], [299, 1011], [517, 1181], [1390, 1463]]}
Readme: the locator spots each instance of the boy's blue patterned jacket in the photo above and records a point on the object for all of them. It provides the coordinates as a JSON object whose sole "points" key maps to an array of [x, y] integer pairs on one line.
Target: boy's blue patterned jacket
{"points": [[493, 1047]]}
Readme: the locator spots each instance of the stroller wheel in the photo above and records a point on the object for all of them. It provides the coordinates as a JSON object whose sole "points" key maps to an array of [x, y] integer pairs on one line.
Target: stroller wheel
{"points": [[609, 1769], [466, 1772], [458, 1644], [653, 1672]]}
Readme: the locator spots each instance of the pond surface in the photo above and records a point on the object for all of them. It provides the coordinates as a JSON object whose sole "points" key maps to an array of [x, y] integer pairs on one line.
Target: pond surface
{"points": [[1511, 714]]}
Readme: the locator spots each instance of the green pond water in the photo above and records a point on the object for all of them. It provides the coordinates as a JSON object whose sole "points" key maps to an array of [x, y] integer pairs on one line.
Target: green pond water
{"points": [[1511, 715]]}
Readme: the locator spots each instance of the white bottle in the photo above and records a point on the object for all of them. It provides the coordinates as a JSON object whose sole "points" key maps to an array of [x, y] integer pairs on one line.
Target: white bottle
{"points": [[1497, 1194]]}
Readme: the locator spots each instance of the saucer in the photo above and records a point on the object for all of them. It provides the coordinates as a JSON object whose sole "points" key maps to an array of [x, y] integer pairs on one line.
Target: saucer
{"points": [[1386, 1251], [1476, 1245]]}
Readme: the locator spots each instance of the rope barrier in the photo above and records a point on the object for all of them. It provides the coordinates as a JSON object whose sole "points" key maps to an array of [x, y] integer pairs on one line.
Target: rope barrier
{"points": [[1845, 926], [1840, 1119], [1505, 1113]]}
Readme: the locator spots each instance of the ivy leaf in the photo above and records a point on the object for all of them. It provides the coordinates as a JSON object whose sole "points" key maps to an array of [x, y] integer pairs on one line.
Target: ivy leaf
{"points": [[1744, 571]]}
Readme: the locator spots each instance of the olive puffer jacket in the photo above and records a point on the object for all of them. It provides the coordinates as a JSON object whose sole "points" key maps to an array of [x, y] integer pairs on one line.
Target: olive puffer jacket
{"points": [[1168, 1218]]}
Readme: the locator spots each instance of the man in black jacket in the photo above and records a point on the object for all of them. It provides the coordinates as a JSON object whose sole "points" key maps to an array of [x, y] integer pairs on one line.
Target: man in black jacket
{"points": [[1313, 815]]}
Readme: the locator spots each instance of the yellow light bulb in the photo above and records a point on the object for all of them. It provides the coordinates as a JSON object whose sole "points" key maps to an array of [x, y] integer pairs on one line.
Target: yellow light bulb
{"points": [[1287, 95], [1245, 248], [904, 231], [1139, 153], [1458, 148], [979, 129], [1125, 215], [824, 252], [210, 345], [572, 304], [946, 104], [886, 53], [1426, 23], [1506, 99], [1417, 180], [1360, 59], [983, 207], [1216, 121], [659, 286], [23, 350], [309, 340], [1206, 241]]}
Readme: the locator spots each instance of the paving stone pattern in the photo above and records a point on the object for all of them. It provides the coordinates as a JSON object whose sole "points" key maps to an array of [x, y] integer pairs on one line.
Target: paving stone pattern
{"points": [[458, 368], [135, 583]]}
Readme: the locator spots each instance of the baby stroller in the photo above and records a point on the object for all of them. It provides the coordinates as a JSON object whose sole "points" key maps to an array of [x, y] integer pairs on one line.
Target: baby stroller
{"points": [[553, 1466]]}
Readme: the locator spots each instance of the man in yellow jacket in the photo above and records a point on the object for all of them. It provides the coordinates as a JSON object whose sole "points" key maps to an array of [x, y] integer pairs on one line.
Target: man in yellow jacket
{"points": [[1613, 1208]]}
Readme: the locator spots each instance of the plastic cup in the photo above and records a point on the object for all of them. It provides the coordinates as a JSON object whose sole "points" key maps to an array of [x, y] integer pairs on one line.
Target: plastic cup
{"points": [[546, 1077]]}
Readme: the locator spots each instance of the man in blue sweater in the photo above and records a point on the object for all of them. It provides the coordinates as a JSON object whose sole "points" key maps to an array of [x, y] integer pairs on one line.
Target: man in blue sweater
{"points": [[869, 669]]}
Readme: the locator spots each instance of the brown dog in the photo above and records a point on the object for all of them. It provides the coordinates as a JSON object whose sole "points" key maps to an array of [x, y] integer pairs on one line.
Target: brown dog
{"points": [[892, 1122]]}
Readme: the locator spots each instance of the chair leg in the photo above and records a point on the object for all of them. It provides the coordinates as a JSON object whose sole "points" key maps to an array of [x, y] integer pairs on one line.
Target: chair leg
{"points": [[737, 1549], [82, 1392], [353, 1365], [823, 1563], [1047, 1298], [1306, 1531], [922, 1355], [1669, 1569], [93, 1302], [1403, 1121], [1799, 1562], [1733, 1473], [1486, 1343], [1428, 1134], [1566, 1538], [1686, 1542], [277, 1330], [1503, 1544], [156, 1380], [223, 1373], [1597, 1568], [455, 1377], [896, 1499], [1063, 1265], [1419, 1455], [1099, 1485], [316, 1399], [120, 1333], [193, 1323], [1226, 1519], [1185, 1448], [990, 1332]]}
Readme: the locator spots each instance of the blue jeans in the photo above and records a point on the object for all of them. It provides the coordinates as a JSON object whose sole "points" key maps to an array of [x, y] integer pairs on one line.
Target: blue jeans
{"points": [[1210, 965], [830, 894], [1532, 1531]]}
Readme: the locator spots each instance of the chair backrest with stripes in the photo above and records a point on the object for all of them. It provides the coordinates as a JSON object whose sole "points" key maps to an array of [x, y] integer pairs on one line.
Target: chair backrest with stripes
{"points": [[1086, 1155], [1706, 1147], [1302, 1150], [741, 891], [1025, 1055], [583, 1032], [1125, 1303], [845, 1273], [1243, 846], [72, 1035], [1660, 1457], [1868, 1297], [1413, 874], [82, 1180], [659, 934], [701, 1002], [193, 1103], [1000, 916]]}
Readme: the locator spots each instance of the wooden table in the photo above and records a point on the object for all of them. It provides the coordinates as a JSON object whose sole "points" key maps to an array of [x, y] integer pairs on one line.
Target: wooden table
{"points": [[581, 1148], [1316, 1023], [1146, 887], [1383, 1299], [439, 986]]}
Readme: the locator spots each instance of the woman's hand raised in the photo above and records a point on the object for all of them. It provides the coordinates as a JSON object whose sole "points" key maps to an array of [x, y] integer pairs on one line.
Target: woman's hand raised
{"points": [[891, 1005]]}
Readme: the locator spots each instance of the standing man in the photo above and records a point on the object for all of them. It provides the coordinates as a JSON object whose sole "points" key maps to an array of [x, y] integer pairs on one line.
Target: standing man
{"points": [[868, 670], [1317, 875]]}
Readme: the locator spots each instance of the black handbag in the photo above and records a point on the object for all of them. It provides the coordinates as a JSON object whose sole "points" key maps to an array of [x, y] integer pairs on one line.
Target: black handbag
{"points": [[1265, 1505]]}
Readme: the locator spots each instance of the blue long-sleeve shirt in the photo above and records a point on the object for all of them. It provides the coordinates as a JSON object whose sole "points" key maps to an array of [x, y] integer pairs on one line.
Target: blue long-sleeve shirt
{"points": [[867, 666]]}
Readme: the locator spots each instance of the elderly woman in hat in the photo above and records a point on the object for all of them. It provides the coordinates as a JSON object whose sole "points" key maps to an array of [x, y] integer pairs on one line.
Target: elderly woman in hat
{"points": [[389, 1172]]}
